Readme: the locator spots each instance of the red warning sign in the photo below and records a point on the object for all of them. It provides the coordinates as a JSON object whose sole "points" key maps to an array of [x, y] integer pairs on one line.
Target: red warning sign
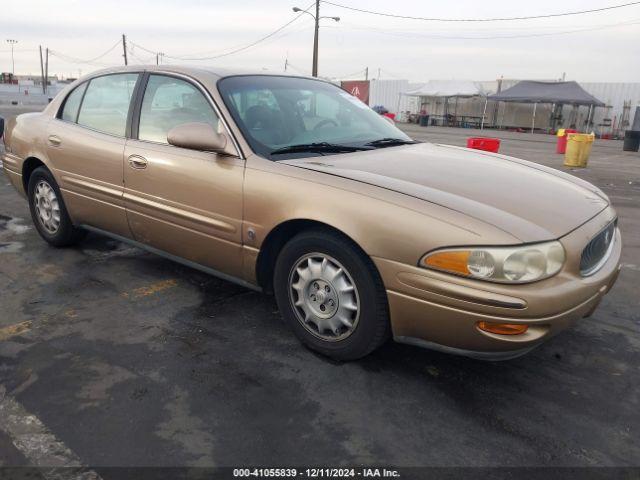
{"points": [[357, 88]]}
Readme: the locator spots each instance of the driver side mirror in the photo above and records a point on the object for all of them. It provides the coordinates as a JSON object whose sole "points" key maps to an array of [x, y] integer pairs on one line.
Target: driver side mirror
{"points": [[200, 136]]}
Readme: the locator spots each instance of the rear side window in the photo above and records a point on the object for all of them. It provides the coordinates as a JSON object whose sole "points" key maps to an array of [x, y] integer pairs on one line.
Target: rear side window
{"points": [[169, 102], [106, 103], [72, 103]]}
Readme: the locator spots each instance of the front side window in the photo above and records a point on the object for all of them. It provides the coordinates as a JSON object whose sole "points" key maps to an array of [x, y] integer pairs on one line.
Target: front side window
{"points": [[72, 104], [105, 106], [281, 114], [169, 102]]}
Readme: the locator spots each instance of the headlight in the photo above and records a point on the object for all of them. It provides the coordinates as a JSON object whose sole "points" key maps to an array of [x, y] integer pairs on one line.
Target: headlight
{"points": [[523, 264]]}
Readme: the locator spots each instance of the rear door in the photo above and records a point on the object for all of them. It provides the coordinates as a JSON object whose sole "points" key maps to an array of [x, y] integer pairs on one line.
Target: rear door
{"points": [[86, 146], [183, 202]]}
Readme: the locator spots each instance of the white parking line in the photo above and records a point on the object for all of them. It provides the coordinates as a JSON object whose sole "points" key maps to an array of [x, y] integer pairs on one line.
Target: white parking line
{"points": [[42, 448]]}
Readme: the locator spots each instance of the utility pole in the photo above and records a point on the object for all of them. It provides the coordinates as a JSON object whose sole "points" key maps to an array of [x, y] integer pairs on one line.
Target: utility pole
{"points": [[124, 49], [46, 71], [42, 71], [366, 73], [314, 71], [286, 64], [316, 18], [13, 63]]}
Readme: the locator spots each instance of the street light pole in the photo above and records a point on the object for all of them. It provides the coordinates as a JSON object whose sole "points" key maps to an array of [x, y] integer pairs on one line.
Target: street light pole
{"points": [[316, 18], [13, 63]]}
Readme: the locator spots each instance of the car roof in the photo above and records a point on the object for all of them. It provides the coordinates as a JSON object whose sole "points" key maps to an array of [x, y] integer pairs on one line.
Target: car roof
{"points": [[196, 71]]}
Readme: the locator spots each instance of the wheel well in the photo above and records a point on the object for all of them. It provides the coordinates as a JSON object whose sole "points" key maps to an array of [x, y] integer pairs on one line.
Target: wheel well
{"points": [[276, 240], [29, 165]]}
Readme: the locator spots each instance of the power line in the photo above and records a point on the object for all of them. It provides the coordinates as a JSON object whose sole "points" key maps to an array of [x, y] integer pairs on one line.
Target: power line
{"points": [[492, 37], [215, 52], [389, 74], [79, 60], [359, 72], [297, 69], [236, 50], [496, 19], [72, 60], [140, 60], [20, 50]]}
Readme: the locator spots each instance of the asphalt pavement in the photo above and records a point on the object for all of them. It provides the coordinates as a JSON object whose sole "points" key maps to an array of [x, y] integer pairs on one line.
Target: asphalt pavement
{"points": [[110, 356]]}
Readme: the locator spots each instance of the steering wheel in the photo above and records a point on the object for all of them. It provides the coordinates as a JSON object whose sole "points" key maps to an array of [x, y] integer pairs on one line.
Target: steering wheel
{"points": [[326, 121]]}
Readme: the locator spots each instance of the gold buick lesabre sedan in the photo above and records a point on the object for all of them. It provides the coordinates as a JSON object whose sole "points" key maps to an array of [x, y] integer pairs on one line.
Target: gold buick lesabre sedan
{"points": [[291, 185]]}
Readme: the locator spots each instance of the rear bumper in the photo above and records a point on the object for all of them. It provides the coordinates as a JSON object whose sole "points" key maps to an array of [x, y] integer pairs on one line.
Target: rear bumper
{"points": [[441, 312], [10, 165]]}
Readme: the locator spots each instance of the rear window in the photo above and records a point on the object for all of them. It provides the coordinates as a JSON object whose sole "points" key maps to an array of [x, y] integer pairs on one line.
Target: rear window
{"points": [[105, 106], [72, 104]]}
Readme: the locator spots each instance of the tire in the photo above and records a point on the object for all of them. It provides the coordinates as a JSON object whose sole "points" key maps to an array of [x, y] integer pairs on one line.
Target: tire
{"points": [[316, 268], [58, 229]]}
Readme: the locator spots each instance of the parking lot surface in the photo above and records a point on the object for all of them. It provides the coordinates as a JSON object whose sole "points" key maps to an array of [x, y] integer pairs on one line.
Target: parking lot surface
{"points": [[110, 356]]}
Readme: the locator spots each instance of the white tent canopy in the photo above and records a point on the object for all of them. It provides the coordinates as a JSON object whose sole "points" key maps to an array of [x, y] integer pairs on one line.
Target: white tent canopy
{"points": [[448, 88]]}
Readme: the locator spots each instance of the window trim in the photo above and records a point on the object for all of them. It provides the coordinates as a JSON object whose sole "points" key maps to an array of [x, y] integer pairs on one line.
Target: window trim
{"points": [[135, 124], [127, 131]]}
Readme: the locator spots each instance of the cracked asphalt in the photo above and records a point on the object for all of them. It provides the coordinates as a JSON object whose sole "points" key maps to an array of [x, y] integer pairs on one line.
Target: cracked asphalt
{"points": [[129, 359]]}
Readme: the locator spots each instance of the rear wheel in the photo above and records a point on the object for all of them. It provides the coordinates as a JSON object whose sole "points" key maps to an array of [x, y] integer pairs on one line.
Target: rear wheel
{"points": [[331, 295], [48, 211]]}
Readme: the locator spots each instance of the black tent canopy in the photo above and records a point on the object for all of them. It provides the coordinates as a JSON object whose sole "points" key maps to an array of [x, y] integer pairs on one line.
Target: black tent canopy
{"points": [[559, 93], [529, 91]]}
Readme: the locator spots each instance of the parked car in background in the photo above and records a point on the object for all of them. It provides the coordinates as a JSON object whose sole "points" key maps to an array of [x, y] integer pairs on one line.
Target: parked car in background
{"points": [[293, 186]]}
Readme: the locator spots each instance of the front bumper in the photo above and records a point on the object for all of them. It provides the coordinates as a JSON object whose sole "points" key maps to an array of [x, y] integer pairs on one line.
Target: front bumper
{"points": [[440, 311]]}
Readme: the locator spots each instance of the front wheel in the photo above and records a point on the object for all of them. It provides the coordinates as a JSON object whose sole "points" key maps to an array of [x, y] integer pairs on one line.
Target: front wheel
{"points": [[331, 295]]}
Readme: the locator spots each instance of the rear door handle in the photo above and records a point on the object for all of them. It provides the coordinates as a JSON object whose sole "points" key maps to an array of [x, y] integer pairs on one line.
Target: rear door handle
{"points": [[137, 162], [54, 140]]}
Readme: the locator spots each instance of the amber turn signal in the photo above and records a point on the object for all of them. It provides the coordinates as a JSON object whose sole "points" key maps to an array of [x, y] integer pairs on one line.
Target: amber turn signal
{"points": [[455, 261], [503, 328]]}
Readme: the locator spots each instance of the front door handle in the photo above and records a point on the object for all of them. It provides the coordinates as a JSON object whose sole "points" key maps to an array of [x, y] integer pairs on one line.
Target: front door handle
{"points": [[54, 140], [137, 162]]}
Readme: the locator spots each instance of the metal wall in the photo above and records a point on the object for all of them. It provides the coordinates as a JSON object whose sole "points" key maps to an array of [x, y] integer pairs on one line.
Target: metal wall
{"points": [[605, 120], [388, 93], [614, 95]]}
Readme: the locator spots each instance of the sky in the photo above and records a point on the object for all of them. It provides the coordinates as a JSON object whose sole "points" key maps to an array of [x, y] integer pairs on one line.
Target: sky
{"points": [[600, 46]]}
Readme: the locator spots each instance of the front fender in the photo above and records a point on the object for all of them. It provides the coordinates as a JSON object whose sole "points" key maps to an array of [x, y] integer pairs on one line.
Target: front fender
{"points": [[384, 224]]}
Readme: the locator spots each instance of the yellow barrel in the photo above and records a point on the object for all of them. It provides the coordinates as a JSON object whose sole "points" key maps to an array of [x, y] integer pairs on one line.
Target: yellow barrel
{"points": [[578, 149]]}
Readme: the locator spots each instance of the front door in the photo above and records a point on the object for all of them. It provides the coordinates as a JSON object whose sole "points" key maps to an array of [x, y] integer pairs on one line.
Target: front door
{"points": [[183, 202], [86, 145]]}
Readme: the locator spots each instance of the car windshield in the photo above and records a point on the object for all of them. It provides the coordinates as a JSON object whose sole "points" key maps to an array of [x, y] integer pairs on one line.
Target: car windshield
{"points": [[288, 117]]}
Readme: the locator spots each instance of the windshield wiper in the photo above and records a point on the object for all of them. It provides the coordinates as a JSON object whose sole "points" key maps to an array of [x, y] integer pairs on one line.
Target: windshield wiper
{"points": [[389, 142], [318, 147]]}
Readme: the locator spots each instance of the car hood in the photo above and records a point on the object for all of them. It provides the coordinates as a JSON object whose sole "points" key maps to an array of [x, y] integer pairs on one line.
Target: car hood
{"points": [[527, 200]]}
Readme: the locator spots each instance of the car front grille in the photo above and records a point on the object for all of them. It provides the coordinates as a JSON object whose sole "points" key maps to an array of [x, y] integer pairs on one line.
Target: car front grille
{"points": [[597, 251]]}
